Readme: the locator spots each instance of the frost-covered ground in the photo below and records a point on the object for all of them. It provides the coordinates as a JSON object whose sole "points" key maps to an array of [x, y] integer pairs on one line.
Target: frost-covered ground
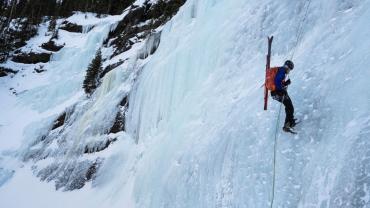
{"points": [[196, 132]]}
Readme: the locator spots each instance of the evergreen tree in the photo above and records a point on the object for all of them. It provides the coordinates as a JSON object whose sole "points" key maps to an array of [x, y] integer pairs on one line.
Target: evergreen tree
{"points": [[52, 24], [36, 9], [93, 72], [51, 7]]}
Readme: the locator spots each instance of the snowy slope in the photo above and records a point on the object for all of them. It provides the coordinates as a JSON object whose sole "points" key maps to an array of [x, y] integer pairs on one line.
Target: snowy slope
{"points": [[196, 132]]}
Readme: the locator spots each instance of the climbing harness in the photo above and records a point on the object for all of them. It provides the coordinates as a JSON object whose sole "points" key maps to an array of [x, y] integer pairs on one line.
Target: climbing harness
{"points": [[299, 36]]}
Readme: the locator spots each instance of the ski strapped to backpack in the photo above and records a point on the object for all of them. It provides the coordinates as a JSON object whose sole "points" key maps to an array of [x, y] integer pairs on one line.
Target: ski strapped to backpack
{"points": [[268, 73]]}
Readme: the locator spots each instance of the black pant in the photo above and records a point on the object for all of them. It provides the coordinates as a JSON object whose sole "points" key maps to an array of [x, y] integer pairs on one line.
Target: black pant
{"points": [[284, 98]]}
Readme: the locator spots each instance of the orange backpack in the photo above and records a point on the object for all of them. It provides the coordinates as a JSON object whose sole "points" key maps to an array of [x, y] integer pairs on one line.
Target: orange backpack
{"points": [[270, 78]]}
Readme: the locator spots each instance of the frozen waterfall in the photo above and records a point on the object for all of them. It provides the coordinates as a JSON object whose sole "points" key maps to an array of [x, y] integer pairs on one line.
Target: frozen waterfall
{"points": [[196, 133]]}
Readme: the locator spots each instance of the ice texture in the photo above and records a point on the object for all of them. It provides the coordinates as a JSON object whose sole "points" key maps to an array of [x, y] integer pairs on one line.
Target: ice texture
{"points": [[196, 133]]}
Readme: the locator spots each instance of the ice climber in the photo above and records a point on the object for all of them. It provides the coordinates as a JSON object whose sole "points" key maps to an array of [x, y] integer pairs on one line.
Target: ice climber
{"points": [[281, 95]]}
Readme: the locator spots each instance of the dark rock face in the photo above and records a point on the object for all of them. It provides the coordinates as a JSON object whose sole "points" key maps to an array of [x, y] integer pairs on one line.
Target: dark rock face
{"points": [[71, 27], [60, 121], [51, 46], [15, 37], [153, 15], [74, 176], [119, 124], [98, 146], [39, 70], [6, 71], [32, 58], [110, 68], [92, 171]]}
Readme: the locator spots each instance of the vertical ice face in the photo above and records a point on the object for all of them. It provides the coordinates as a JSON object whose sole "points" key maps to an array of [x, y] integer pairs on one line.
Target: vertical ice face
{"points": [[197, 107]]}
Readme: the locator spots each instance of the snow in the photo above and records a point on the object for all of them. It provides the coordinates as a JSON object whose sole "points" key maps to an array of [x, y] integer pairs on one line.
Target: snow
{"points": [[141, 2], [196, 132], [42, 97]]}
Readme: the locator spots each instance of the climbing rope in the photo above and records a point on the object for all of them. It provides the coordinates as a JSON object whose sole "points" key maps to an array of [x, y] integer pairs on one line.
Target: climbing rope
{"points": [[300, 29], [299, 36], [275, 148]]}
